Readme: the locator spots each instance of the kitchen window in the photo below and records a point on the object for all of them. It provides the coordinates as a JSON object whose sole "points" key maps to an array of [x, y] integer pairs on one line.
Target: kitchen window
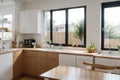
{"points": [[5, 26], [67, 26], [110, 25]]}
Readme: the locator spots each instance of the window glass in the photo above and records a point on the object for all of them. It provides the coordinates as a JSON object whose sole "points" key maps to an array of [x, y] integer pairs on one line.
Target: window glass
{"points": [[6, 26], [111, 26], [58, 26], [76, 26], [66, 26], [47, 25]]}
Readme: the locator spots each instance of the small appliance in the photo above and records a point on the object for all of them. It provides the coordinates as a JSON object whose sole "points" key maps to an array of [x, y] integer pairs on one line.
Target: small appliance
{"points": [[28, 43]]}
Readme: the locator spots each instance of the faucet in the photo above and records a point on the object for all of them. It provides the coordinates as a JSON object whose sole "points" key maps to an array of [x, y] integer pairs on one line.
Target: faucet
{"points": [[3, 45]]}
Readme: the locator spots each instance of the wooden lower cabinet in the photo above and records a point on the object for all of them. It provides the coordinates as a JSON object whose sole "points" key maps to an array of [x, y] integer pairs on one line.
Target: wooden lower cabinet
{"points": [[42, 65], [52, 63], [17, 64], [30, 63], [38, 62]]}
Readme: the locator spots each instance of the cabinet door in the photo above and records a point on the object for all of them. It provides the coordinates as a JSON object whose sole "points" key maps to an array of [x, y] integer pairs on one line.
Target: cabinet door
{"points": [[67, 60], [24, 22], [81, 59], [52, 60], [33, 15], [30, 21], [117, 64], [42, 65], [6, 68], [38, 62], [31, 63], [42, 62], [47, 61], [105, 61], [17, 64]]}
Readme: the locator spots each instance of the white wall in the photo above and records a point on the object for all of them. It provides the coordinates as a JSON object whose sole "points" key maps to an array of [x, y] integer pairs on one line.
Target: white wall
{"points": [[6, 9], [93, 14], [17, 8], [37, 37]]}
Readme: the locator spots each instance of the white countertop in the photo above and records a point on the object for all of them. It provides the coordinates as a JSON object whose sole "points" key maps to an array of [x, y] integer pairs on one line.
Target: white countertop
{"points": [[103, 54]]}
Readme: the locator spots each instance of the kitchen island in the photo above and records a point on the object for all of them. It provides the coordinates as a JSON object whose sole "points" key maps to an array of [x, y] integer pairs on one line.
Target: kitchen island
{"points": [[73, 73]]}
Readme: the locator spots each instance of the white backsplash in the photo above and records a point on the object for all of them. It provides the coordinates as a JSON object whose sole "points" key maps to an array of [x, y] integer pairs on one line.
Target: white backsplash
{"points": [[37, 37]]}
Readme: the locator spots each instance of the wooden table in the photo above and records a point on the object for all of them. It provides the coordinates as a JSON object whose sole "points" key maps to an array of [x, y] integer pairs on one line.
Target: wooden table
{"points": [[73, 73]]}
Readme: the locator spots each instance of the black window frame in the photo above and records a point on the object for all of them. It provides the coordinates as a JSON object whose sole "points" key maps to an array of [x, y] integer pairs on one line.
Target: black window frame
{"points": [[106, 5], [66, 26]]}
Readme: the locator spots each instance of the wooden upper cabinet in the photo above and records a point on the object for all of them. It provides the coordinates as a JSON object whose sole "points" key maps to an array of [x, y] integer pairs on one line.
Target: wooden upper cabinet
{"points": [[30, 21]]}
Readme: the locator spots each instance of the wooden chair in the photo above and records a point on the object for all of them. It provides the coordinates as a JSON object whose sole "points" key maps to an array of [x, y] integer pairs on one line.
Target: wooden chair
{"points": [[100, 66]]}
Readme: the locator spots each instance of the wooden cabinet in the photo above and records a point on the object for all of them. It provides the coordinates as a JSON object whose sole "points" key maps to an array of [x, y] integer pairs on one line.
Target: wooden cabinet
{"points": [[30, 21], [37, 62], [6, 68], [67, 60], [17, 64], [81, 59], [42, 61], [30, 62], [53, 60]]}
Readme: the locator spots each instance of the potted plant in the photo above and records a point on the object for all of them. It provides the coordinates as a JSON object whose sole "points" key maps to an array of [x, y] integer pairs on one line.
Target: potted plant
{"points": [[91, 48], [79, 30], [49, 43]]}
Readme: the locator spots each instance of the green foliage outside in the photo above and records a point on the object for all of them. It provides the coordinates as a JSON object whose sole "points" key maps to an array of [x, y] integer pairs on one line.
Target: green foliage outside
{"points": [[79, 30], [111, 31]]}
